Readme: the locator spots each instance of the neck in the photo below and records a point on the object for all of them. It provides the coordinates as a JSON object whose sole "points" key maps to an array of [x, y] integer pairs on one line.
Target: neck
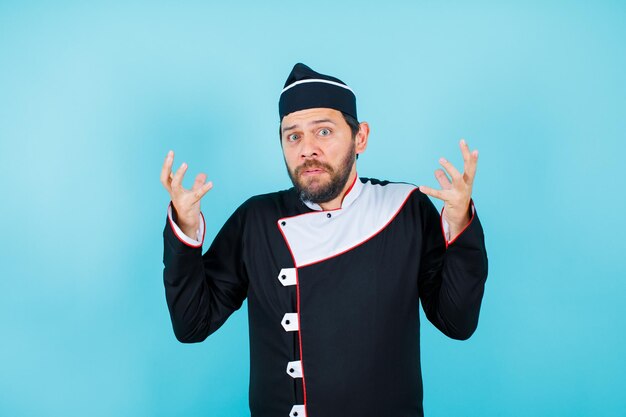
{"points": [[336, 202]]}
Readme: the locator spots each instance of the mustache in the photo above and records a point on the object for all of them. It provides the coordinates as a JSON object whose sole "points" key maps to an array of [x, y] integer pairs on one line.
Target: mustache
{"points": [[313, 164]]}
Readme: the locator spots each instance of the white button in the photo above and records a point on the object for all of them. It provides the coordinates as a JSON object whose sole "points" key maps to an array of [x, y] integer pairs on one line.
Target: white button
{"points": [[297, 411], [287, 276], [294, 369], [290, 322]]}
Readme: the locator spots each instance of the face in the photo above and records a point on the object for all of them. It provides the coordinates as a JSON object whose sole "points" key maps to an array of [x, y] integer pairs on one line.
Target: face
{"points": [[320, 152]]}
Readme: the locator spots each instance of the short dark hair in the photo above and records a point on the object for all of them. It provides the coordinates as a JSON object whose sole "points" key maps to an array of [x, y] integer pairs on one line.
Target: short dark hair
{"points": [[351, 121]]}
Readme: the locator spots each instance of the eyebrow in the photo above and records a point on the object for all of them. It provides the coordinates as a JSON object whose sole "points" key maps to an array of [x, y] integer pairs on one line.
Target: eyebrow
{"points": [[314, 122]]}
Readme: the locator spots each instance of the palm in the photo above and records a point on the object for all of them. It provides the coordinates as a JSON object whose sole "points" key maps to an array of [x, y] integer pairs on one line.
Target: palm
{"points": [[186, 202], [456, 190]]}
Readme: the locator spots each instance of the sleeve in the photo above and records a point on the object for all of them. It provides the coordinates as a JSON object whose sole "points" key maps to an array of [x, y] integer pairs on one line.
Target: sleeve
{"points": [[195, 243], [446, 227], [452, 274], [202, 291]]}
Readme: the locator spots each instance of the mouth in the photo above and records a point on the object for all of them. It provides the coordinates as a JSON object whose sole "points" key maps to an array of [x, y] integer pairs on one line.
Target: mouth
{"points": [[313, 171]]}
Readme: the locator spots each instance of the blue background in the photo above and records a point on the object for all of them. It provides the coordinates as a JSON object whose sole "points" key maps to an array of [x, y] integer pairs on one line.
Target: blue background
{"points": [[93, 96]]}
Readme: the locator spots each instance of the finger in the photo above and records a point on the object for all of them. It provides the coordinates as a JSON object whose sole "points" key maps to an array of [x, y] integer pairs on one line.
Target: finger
{"points": [[450, 169], [465, 151], [470, 171], [200, 179], [443, 179], [166, 170], [177, 180], [440, 194], [202, 190]]}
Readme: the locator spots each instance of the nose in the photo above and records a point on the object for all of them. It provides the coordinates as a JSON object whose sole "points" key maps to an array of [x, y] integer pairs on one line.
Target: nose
{"points": [[309, 146]]}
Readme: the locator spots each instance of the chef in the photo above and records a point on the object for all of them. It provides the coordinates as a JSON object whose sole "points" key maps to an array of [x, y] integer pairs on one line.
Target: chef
{"points": [[333, 268]]}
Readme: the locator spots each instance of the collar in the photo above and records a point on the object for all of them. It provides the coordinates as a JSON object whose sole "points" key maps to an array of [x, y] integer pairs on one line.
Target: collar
{"points": [[351, 195]]}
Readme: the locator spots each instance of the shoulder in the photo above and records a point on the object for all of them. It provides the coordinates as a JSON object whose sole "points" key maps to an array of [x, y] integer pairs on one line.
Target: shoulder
{"points": [[277, 203], [269, 199], [387, 189], [404, 194], [385, 185]]}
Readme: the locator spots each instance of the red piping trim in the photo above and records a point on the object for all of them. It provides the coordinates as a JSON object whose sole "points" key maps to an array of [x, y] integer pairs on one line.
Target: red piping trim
{"points": [[203, 228], [461, 232], [169, 218], [352, 247], [349, 189], [298, 312]]}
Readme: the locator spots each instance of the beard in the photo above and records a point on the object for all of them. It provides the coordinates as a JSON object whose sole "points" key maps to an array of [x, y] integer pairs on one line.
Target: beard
{"points": [[316, 190]]}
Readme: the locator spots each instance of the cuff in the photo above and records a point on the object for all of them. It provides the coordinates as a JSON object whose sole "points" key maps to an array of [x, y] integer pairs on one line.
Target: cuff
{"points": [[445, 227], [194, 243]]}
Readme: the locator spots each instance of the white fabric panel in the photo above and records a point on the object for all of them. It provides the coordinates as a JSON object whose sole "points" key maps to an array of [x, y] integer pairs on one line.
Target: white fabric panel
{"points": [[316, 236], [297, 411], [446, 228], [182, 236], [290, 322], [294, 369], [287, 276]]}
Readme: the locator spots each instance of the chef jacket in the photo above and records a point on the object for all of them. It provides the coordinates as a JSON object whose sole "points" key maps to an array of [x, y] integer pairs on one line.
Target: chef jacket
{"points": [[332, 295]]}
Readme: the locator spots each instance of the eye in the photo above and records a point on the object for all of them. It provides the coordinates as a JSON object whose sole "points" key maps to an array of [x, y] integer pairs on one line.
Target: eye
{"points": [[324, 132], [292, 137]]}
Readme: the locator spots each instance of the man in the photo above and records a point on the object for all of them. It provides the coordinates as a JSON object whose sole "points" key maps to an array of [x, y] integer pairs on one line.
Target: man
{"points": [[332, 268]]}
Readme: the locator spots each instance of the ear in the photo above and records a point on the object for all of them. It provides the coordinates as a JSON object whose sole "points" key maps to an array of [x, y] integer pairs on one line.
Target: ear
{"points": [[361, 137]]}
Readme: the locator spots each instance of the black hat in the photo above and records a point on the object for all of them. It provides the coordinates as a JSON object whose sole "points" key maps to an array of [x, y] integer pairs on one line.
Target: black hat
{"points": [[307, 89]]}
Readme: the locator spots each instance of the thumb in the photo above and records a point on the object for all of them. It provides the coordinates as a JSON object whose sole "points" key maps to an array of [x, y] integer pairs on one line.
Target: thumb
{"points": [[431, 192]]}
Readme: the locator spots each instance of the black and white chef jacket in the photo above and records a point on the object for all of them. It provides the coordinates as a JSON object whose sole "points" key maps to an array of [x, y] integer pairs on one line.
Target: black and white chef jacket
{"points": [[332, 295]]}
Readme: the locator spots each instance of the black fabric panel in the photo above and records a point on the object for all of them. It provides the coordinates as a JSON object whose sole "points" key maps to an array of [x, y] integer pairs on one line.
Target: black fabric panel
{"points": [[272, 391], [360, 327], [359, 311]]}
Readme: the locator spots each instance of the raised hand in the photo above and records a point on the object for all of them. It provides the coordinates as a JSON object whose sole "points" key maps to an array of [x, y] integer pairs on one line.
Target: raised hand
{"points": [[186, 203], [456, 194]]}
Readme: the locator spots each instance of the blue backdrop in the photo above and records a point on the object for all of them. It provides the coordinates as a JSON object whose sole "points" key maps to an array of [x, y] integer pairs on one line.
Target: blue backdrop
{"points": [[93, 96]]}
